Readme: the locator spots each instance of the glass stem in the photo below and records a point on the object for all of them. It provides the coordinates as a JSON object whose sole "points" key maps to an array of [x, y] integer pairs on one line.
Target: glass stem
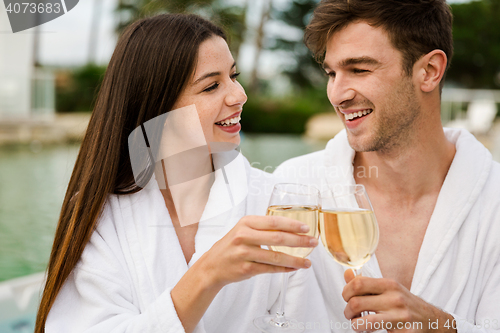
{"points": [[357, 272], [280, 315]]}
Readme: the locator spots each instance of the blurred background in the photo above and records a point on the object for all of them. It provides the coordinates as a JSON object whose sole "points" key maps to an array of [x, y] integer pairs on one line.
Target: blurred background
{"points": [[49, 76]]}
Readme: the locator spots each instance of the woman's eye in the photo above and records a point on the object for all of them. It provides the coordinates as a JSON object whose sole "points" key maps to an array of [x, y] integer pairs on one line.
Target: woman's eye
{"points": [[235, 75], [212, 87]]}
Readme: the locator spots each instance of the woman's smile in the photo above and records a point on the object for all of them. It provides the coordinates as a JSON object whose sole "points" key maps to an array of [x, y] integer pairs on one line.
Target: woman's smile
{"points": [[230, 124]]}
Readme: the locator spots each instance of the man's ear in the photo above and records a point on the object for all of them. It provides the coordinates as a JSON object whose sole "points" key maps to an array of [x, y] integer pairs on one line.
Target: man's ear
{"points": [[431, 68]]}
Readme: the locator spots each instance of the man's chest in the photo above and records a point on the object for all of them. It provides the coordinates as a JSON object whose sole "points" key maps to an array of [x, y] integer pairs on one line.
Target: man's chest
{"points": [[402, 231]]}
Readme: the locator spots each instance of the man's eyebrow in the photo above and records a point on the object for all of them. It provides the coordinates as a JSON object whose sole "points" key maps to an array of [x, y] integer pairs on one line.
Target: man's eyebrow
{"points": [[211, 74], [358, 61]]}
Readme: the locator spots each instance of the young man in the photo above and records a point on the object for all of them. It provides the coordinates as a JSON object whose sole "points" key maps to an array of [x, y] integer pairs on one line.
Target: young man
{"points": [[435, 192]]}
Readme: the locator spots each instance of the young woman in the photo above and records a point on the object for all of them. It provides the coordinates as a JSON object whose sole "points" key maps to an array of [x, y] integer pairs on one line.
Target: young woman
{"points": [[127, 259]]}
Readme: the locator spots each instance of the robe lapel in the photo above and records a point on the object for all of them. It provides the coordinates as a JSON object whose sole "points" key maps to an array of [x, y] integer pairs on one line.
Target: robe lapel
{"points": [[461, 188]]}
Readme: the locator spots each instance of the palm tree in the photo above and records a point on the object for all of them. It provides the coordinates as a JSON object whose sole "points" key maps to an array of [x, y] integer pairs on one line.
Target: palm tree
{"points": [[259, 43], [94, 31]]}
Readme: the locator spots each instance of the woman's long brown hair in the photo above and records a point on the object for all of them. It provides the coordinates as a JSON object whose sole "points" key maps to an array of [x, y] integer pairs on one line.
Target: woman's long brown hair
{"points": [[153, 60]]}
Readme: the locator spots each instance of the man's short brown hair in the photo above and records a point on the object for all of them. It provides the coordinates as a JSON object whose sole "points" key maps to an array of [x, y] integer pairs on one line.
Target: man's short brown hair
{"points": [[415, 27]]}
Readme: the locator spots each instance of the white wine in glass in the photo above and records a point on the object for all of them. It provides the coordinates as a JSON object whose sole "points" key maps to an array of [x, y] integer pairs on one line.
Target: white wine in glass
{"points": [[305, 214], [349, 230], [350, 236], [299, 202]]}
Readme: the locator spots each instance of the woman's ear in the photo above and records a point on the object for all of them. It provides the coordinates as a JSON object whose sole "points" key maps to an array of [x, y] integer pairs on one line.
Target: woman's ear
{"points": [[431, 68]]}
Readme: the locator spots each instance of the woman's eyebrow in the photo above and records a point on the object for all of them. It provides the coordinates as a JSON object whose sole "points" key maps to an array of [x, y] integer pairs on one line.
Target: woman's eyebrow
{"points": [[211, 74], [206, 76]]}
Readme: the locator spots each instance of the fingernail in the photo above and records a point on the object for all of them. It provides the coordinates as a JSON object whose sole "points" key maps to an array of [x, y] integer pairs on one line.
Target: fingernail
{"points": [[313, 242], [307, 264], [304, 228]]}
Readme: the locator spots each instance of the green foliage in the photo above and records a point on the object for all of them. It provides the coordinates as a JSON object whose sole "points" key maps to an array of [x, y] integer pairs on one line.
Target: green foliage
{"points": [[476, 34], [230, 17], [283, 115], [304, 73], [131, 10], [77, 90]]}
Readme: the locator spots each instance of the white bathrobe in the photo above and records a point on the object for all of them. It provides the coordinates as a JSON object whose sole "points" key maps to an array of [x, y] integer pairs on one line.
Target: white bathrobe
{"points": [[123, 281], [458, 267]]}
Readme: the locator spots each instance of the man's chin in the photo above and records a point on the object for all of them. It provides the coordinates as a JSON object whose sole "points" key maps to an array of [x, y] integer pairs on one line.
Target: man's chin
{"points": [[360, 144]]}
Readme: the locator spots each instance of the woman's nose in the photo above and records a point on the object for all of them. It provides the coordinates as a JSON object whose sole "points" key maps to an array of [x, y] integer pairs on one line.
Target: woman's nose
{"points": [[236, 95]]}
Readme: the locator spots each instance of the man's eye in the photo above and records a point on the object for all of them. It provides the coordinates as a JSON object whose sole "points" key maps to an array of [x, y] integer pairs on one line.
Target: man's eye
{"points": [[212, 87], [330, 74], [358, 70]]}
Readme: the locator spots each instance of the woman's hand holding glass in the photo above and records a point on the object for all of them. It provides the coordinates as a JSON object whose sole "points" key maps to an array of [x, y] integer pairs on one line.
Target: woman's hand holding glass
{"points": [[299, 202], [239, 256], [236, 257]]}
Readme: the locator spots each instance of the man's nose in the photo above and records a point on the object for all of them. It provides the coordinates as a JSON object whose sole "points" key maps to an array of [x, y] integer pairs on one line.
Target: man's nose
{"points": [[339, 90]]}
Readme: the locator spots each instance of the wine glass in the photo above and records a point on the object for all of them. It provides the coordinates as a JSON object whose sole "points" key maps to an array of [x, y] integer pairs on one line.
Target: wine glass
{"points": [[299, 202], [348, 227]]}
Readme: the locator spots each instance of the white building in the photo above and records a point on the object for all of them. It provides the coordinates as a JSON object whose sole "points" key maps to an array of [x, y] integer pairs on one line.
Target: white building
{"points": [[25, 93]]}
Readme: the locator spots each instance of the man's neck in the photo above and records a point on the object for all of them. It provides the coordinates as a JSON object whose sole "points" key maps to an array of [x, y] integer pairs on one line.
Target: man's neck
{"points": [[410, 172]]}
